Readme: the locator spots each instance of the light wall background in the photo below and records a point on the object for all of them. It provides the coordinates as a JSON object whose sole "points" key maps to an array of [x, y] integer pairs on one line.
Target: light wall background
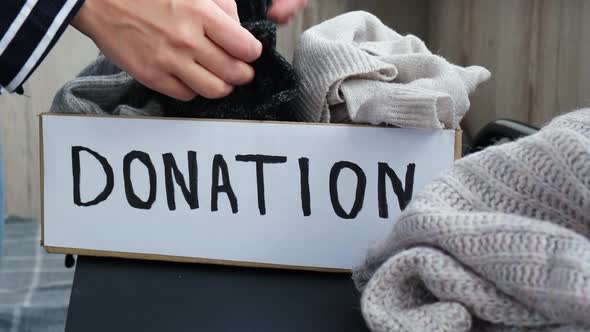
{"points": [[537, 51]]}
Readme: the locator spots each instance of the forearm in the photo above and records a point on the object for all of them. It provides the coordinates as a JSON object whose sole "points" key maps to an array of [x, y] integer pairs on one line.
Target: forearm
{"points": [[28, 30], [182, 48]]}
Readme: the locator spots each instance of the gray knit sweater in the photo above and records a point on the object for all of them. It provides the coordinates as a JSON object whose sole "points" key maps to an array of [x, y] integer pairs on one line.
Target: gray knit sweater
{"points": [[355, 68], [499, 243]]}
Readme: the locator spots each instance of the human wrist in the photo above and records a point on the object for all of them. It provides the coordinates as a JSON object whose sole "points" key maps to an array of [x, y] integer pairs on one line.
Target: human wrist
{"points": [[85, 19]]}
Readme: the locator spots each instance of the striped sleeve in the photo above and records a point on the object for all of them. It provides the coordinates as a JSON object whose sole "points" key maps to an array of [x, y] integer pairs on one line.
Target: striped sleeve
{"points": [[28, 30]]}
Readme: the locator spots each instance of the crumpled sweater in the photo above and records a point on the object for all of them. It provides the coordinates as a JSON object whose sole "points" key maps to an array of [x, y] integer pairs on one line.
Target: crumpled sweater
{"points": [[355, 69], [102, 88], [501, 242]]}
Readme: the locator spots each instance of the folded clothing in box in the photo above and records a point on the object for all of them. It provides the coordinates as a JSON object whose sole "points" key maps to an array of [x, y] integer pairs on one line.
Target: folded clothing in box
{"points": [[356, 69]]}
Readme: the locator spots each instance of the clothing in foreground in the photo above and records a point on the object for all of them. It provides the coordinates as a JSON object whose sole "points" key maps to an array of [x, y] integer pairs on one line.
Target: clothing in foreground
{"points": [[501, 242], [28, 30], [102, 88], [354, 68]]}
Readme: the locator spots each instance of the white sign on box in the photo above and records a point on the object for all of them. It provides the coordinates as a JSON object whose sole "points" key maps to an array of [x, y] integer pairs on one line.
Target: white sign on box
{"points": [[290, 195]]}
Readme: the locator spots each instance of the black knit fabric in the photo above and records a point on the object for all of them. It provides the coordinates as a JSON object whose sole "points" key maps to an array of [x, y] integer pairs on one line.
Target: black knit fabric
{"points": [[267, 97]]}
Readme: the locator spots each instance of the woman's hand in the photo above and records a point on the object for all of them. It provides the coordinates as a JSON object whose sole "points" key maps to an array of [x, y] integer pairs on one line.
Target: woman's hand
{"points": [[282, 11], [182, 48]]}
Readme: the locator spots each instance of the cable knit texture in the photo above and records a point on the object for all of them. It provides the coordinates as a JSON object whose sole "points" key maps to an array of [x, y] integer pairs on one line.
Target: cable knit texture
{"points": [[499, 243], [354, 68]]}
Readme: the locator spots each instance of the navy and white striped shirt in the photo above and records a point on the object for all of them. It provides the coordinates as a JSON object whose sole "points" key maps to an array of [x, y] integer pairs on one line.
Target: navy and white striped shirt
{"points": [[28, 30]]}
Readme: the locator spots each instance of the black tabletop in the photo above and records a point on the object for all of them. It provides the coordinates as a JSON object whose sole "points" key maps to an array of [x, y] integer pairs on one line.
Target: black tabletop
{"points": [[129, 295]]}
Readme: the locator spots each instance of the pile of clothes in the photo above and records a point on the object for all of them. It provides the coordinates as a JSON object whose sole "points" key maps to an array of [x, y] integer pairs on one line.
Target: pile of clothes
{"points": [[498, 243], [501, 242], [352, 68]]}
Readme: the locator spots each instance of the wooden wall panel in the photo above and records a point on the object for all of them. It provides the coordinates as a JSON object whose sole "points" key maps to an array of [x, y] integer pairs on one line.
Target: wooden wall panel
{"points": [[19, 123], [475, 32], [535, 49], [572, 42], [15, 121]]}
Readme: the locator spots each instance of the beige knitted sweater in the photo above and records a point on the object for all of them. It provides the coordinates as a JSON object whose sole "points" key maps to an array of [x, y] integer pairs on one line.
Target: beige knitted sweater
{"points": [[353, 68], [499, 243]]}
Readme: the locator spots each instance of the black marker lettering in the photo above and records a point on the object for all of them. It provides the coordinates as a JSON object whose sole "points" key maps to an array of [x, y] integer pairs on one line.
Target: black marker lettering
{"points": [[260, 160], [132, 198], [305, 192], [403, 195], [108, 171], [219, 164], [361, 186], [171, 171]]}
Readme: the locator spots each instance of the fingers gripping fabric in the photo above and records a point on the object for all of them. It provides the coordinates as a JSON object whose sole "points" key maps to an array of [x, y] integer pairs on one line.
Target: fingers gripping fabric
{"points": [[102, 88], [268, 96]]}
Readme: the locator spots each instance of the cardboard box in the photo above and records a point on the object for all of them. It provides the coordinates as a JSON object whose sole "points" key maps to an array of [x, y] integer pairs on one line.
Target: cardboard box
{"points": [[285, 195]]}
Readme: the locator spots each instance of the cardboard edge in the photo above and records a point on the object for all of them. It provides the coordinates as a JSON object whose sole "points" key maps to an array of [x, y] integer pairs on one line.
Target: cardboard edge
{"points": [[41, 180], [458, 144], [361, 125], [140, 117], [180, 259]]}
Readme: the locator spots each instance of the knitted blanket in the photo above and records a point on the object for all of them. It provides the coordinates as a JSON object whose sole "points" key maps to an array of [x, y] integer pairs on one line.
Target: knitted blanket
{"points": [[499, 243], [353, 68]]}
